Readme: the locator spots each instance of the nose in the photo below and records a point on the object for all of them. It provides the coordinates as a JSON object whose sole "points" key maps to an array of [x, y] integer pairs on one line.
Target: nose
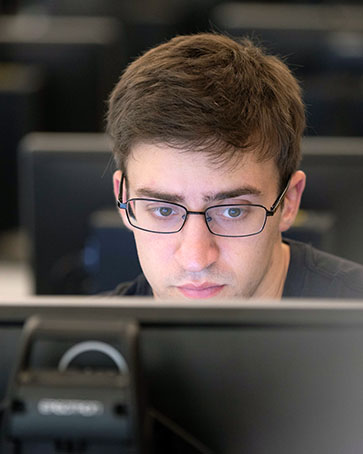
{"points": [[197, 248]]}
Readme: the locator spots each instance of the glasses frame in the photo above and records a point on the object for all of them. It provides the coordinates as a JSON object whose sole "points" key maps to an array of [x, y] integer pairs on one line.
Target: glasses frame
{"points": [[268, 213]]}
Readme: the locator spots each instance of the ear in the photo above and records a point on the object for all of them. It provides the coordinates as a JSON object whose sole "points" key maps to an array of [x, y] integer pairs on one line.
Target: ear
{"points": [[292, 200], [116, 190], [116, 183]]}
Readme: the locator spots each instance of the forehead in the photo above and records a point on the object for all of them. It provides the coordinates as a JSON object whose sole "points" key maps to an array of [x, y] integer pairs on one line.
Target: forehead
{"points": [[163, 167]]}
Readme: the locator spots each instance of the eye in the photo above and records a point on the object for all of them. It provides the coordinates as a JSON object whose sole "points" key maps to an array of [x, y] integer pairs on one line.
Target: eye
{"points": [[233, 212], [164, 211]]}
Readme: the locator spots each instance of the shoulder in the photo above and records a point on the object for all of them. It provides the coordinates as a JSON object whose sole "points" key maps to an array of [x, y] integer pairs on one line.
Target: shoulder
{"points": [[314, 273], [137, 287]]}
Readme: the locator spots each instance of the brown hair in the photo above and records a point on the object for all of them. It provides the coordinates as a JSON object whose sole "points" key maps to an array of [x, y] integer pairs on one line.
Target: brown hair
{"points": [[208, 92]]}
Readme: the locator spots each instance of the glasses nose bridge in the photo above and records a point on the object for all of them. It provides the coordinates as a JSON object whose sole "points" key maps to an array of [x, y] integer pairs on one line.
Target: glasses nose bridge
{"points": [[197, 213], [203, 213]]}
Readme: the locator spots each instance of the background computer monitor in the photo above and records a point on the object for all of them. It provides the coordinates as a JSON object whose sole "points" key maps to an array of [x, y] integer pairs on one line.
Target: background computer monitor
{"points": [[64, 179], [334, 169], [232, 376]]}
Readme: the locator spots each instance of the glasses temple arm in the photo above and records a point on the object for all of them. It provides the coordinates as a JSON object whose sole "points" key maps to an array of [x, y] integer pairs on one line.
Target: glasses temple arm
{"points": [[280, 198]]}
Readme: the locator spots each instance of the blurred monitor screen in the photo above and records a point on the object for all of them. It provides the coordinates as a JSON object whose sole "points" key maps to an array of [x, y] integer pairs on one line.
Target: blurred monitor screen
{"points": [[231, 376]]}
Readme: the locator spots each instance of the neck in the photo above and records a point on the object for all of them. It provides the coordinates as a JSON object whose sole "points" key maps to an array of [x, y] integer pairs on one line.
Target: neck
{"points": [[285, 267], [277, 274]]}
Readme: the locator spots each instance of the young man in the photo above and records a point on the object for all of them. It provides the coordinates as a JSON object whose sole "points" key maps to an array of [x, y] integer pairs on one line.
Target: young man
{"points": [[207, 134]]}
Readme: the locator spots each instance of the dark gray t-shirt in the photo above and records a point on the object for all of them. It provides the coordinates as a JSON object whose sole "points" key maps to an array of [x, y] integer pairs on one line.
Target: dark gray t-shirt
{"points": [[311, 274], [316, 274]]}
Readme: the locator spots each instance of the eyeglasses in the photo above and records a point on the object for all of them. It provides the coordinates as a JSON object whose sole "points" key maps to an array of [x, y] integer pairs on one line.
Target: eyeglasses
{"points": [[232, 220]]}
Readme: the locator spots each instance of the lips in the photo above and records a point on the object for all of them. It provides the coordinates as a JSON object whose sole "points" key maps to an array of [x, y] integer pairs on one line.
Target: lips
{"points": [[205, 290]]}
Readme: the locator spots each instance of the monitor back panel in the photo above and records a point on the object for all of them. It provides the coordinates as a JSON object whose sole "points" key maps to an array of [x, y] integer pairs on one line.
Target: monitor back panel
{"points": [[241, 378]]}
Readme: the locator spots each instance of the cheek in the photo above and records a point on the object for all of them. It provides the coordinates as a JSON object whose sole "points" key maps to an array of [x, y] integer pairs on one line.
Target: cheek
{"points": [[153, 250], [244, 255], [239, 255]]}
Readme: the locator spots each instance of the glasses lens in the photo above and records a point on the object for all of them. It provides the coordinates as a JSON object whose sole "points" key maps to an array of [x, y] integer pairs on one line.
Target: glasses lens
{"points": [[156, 216], [236, 220]]}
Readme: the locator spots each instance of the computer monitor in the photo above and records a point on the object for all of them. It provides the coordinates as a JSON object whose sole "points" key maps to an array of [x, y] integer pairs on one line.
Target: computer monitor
{"points": [[219, 377], [64, 178], [334, 169]]}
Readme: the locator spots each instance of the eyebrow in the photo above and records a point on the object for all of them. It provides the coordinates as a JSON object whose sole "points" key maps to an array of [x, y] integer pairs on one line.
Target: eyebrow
{"points": [[151, 194], [208, 198]]}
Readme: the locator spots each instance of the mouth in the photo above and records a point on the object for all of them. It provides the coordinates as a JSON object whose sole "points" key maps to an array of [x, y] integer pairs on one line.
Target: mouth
{"points": [[205, 290]]}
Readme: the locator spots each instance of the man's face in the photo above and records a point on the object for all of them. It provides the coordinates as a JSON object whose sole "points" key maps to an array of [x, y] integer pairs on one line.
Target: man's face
{"points": [[194, 263]]}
